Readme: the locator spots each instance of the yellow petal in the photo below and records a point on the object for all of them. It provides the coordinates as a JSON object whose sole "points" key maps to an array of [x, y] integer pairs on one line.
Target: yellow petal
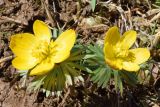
{"points": [[128, 38], [66, 40], [24, 63], [41, 30], [114, 63], [42, 68], [141, 55], [63, 45], [109, 51], [22, 44], [112, 36], [129, 66], [60, 56]]}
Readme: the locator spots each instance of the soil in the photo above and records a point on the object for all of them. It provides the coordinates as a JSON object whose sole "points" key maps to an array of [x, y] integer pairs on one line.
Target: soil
{"points": [[18, 16]]}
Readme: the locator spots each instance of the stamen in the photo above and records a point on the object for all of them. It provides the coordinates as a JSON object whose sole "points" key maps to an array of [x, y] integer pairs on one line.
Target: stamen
{"points": [[125, 55], [44, 51]]}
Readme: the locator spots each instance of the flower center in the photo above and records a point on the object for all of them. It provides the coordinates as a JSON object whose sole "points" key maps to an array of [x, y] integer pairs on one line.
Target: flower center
{"points": [[44, 50], [124, 55]]}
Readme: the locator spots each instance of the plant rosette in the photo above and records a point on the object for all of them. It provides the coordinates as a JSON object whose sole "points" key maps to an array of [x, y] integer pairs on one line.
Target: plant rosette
{"points": [[54, 63], [116, 58]]}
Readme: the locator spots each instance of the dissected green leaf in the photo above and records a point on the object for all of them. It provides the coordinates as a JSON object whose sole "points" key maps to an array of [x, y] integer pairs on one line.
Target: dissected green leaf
{"points": [[93, 4], [36, 83], [68, 77], [77, 52], [71, 70], [116, 77], [97, 72], [102, 77], [100, 72], [76, 58], [55, 33], [77, 66], [106, 77], [129, 77], [118, 82], [157, 2], [120, 85]]}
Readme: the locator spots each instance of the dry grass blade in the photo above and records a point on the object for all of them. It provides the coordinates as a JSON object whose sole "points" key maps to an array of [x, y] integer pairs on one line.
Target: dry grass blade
{"points": [[6, 59], [13, 20], [45, 5], [64, 99], [155, 17]]}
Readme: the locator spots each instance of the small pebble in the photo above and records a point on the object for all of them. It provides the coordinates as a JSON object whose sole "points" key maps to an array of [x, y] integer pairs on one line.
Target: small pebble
{"points": [[1, 2]]}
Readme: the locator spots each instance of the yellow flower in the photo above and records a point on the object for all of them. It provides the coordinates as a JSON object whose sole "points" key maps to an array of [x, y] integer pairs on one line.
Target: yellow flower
{"points": [[39, 52], [117, 53]]}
